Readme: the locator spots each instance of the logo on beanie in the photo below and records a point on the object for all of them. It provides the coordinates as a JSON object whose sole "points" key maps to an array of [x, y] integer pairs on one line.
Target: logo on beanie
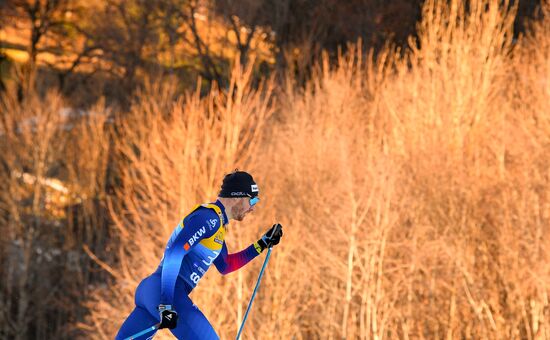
{"points": [[238, 193], [254, 188]]}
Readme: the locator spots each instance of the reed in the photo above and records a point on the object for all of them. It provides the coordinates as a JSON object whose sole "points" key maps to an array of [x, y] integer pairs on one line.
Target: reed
{"points": [[413, 186]]}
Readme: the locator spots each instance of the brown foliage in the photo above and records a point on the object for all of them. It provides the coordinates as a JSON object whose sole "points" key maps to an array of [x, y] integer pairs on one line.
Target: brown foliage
{"points": [[413, 186], [49, 207]]}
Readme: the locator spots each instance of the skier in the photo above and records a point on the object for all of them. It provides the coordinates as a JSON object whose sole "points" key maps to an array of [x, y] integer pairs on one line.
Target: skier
{"points": [[197, 242]]}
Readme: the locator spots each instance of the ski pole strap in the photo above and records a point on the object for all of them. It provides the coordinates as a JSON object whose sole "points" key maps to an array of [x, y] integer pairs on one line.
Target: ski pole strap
{"points": [[254, 292], [145, 331]]}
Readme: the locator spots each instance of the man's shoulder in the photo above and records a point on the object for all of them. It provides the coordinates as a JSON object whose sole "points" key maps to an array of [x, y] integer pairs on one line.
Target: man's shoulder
{"points": [[206, 217]]}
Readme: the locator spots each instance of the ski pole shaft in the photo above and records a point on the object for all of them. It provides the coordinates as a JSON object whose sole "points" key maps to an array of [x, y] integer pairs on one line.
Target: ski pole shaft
{"points": [[145, 331], [254, 292]]}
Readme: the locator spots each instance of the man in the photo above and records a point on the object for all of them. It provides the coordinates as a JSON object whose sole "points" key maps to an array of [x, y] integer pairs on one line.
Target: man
{"points": [[196, 243]]}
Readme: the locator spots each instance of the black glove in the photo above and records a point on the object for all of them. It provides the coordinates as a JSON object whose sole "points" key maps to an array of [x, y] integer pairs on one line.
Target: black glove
{"points": [[168, 317], [272, 237]]}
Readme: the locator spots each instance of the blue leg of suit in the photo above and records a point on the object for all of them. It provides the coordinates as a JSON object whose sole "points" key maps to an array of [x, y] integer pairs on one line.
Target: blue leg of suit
{"points": [[192, 324]]}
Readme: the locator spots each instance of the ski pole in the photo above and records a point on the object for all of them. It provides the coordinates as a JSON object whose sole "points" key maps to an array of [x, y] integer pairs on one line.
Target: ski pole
{"points": [[147, 330], [254, 292]]}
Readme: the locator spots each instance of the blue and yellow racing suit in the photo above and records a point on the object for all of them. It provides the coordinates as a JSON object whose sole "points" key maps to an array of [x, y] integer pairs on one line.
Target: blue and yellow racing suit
{"points": [[197, 242]]}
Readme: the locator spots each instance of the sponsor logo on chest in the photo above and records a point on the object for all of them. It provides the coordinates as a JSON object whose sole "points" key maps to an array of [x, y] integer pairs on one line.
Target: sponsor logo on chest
{"points": [[211, 223], [207, 262], [219, 237]]}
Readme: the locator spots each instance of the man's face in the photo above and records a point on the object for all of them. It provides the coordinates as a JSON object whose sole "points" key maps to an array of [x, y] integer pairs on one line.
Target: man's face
{"points": [[242, 208]]}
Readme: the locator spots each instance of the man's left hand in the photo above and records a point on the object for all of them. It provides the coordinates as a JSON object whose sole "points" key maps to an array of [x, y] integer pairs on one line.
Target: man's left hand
{"points": [[168, 317]]}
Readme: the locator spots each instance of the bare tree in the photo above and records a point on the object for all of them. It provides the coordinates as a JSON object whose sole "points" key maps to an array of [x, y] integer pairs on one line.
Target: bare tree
{"points": [[48, 23]]}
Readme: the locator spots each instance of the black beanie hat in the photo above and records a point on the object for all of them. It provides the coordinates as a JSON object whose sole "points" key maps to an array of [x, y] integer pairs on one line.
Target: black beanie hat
{"points": [[238, 184]]}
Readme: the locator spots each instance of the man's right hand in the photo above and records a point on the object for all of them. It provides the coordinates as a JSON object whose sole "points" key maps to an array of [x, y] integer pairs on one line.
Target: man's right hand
{"points": [[271, 237], [168, 317]]}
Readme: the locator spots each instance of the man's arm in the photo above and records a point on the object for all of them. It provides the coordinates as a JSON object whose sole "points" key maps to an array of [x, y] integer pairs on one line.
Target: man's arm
{"points": [[227, 263], [192, 233]]}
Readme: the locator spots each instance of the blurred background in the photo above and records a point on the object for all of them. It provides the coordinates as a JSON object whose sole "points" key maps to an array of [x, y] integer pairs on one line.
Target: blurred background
{"points": [[403, 144]]}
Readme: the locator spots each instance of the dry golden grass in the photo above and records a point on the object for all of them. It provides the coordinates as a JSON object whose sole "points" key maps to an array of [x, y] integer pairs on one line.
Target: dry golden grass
{"points": [[173, 154], [414, 188], [53, 169]]}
